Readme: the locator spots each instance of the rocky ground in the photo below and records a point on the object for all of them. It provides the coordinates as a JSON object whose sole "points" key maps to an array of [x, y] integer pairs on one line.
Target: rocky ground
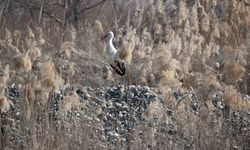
{"points": [[137, 117]]}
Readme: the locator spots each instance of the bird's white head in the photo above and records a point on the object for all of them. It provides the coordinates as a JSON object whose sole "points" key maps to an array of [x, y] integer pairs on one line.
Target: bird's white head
{"points": [[109, 36]]}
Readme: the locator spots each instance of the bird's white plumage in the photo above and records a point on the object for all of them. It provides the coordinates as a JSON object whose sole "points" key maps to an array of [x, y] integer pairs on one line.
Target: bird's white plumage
{"points": [[110, 47]]}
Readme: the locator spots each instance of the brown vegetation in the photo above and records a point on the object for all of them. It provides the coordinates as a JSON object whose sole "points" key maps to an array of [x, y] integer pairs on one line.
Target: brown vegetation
{"points": [[193, 47]]}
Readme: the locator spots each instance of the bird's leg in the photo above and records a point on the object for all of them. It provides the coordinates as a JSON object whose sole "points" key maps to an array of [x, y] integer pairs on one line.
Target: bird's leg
{"points": [[126, 81], [128, 78], [112, 83], [113, 72]]}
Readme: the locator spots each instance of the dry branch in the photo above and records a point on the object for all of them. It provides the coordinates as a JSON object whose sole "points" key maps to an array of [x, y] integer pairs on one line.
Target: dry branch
{"points": [[49, 14], [41, 11], [92, 6], [65, 11]]}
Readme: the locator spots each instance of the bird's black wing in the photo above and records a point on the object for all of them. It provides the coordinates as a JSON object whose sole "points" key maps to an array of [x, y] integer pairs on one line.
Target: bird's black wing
{"points": [[119, 68]]}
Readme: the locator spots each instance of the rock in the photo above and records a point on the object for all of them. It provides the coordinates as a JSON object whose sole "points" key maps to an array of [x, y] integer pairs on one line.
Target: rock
{"points": [[220, 105], [79, 92], [132, 88], [110, 103], [118, 105], [130, 95], [13, 94], [146, 89], [248, 112], [99, 111], [118, 113]]}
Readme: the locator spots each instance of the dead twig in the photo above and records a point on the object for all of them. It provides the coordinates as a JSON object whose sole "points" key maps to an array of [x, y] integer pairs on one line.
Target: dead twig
{"points": [[7, 6], [99, 10], [49, 14], [115, 15], [41, 12], [65, 12], [1, 13], [92, 6]]}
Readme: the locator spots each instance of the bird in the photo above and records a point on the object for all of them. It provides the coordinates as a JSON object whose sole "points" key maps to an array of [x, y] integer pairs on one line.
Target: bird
{"points": [[116, 63]]}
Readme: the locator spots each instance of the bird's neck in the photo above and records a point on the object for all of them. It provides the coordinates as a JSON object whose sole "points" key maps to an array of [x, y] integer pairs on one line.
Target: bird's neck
{"points": [[110, 43], [110, 47]]}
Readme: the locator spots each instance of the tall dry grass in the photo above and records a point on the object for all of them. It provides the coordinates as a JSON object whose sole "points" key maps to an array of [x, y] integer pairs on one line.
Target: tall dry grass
{"points": [[193, 47]]}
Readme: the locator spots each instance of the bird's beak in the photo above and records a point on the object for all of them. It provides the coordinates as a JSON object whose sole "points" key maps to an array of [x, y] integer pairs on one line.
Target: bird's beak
{"points": [[103, 38]]}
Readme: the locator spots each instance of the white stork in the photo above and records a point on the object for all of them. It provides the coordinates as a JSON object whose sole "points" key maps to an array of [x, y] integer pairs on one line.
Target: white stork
{"points": [[115, 62]]}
